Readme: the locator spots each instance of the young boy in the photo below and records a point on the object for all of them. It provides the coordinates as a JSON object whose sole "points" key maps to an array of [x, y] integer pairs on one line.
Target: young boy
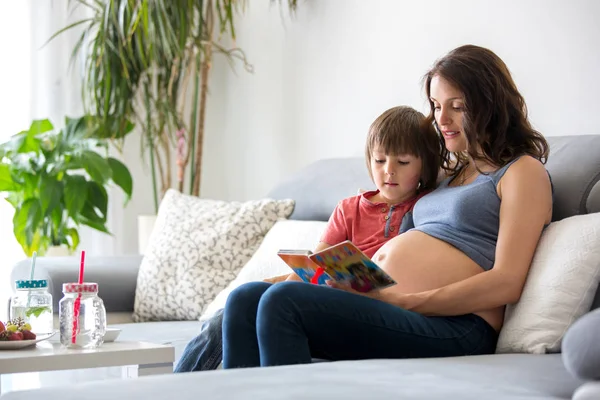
{"points": [[403, 159]]}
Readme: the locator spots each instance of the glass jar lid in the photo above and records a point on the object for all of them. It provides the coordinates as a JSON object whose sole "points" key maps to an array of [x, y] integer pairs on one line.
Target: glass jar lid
{"points": [[32, 284], [85, 287]]}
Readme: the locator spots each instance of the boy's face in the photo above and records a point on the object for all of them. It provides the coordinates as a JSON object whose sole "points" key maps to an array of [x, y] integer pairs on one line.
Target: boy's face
{"points": [[396, 176], [449, 106]]}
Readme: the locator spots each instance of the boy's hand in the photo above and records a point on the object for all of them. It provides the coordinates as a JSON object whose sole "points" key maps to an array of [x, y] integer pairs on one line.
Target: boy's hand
{"points": [[294, 277], [279, 278]]}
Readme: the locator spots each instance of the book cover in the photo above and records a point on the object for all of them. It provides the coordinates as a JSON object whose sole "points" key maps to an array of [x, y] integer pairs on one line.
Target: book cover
{"points": [[345, 262], [303, 266]]}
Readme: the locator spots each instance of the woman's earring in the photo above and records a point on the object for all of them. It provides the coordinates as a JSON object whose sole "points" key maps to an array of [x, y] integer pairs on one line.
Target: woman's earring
{"points": [[419, 185]]}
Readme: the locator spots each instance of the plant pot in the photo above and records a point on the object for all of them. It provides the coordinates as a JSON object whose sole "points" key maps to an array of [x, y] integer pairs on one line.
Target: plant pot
{"points": [[57, 251], [145, 226]]}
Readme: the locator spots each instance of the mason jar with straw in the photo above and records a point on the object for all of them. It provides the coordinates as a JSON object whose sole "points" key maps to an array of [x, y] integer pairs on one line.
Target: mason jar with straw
{"points": [[81, 313], [33, 303]]}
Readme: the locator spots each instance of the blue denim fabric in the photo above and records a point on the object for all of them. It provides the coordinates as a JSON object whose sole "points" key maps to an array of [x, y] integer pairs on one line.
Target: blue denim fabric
{"points": [[205, 351], [292, 323]]}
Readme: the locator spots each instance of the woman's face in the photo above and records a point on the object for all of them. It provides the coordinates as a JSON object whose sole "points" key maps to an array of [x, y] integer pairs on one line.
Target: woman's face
{"points": [[449, 106]]}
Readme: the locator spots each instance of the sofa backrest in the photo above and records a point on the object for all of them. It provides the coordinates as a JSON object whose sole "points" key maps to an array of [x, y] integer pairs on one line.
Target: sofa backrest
{"points": [[573, 164]]}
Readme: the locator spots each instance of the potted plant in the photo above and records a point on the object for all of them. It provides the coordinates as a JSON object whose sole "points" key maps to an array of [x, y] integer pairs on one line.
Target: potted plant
{"points": [[57, 180], [142, 58]]}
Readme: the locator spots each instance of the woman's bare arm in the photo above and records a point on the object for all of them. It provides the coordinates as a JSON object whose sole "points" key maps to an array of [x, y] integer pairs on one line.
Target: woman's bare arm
{"points": [[526, 206]]}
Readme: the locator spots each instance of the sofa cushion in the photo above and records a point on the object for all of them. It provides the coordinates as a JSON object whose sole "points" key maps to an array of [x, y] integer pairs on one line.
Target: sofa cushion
{"points": [[494, 377], [581, 347], [573, 164], [560, 287], [174, 333], [588, 391], [196, 248], [265, 263]]}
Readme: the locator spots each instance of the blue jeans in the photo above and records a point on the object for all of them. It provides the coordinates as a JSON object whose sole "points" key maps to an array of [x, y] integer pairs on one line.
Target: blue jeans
{"points": [[293, 322], [205, 351]]}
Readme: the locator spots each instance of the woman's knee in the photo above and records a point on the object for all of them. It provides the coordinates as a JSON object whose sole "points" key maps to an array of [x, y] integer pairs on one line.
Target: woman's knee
{"points": [[246, 293], [281, 297]]}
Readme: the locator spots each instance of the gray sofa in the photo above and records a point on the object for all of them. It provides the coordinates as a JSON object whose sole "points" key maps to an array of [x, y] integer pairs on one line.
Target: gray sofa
{"points": [[574, 165]]}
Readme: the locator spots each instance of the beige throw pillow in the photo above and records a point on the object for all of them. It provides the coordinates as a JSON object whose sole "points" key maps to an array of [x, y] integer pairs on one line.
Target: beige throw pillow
{"points": [[560, 287], [196, 248]]}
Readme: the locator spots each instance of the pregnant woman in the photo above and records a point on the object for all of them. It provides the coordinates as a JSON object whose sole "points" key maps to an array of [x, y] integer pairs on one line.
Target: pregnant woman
{"points": [[467, 257]]}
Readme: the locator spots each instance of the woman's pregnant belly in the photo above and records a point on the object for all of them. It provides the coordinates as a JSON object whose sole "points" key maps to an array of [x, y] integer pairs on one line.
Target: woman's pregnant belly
{"points": [[419, 262]]}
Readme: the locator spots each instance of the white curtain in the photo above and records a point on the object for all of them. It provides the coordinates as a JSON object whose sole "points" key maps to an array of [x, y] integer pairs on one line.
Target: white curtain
{"points": [[36, 83], [15, 99]]}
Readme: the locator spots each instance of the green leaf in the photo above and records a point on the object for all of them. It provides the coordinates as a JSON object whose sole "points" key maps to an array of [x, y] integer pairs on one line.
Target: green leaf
{"points": [[6, 182], [121, 176], [76, 128], [39, 244], [73, 235], [29, 184], [75, 195], [56, 226], [27, 144], [37, 311], [28, 141], [26, 222], [96, 166], [25, 162], [100, 226], [15, 199], [51, 192], [66, 28], [40, 126], [97, 198]]}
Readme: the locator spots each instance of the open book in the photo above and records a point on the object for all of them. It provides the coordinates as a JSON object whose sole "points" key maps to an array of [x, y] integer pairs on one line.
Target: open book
{"points": [[343, 263]]}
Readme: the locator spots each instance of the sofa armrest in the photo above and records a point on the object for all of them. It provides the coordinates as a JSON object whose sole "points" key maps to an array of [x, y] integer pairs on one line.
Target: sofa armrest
{"points": [[116, 277]]}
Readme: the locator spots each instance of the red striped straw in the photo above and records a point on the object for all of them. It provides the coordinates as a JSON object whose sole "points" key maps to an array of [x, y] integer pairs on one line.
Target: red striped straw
{"points": [[77, 304]]}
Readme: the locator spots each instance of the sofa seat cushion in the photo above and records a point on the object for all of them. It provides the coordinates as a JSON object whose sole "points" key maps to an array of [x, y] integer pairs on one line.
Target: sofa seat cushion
{"points": [[514, 376], [174, 333]]}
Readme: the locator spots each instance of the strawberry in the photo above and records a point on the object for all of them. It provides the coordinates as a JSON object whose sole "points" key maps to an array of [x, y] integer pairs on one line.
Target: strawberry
{"points": [[16, 336], [28, 335], [2, 327]]}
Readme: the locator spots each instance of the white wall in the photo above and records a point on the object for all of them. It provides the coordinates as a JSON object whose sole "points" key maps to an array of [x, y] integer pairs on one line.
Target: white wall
{"points": [[321, 78]]}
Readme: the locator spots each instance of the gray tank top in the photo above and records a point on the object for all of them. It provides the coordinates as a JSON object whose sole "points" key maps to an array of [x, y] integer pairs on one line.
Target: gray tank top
{"points": [[467, 217]]}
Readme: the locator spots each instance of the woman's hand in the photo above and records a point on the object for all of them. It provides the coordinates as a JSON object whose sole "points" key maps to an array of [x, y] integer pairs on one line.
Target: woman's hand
{"points": [[407, 301], [374, 294]]}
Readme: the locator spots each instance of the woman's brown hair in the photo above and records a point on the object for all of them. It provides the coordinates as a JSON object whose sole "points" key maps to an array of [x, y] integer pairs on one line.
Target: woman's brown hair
{"points": [[404, 130], [495, 116]]}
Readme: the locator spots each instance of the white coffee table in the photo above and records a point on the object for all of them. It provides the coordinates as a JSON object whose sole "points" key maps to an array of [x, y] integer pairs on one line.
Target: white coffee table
{"points": [[137, 358]]}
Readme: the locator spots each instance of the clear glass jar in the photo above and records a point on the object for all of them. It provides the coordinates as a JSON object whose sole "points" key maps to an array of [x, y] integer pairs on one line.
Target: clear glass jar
{"points": [[82, 316], [33, 304]]}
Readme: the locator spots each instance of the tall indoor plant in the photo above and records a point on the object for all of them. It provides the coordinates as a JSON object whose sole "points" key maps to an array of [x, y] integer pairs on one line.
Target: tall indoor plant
{"points": [[142, 57], [57, 180]]}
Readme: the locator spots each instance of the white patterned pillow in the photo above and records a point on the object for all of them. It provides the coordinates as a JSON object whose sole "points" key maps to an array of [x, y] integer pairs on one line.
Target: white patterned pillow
{"points": [[560, 287], [265, 263], [196, 248]]}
